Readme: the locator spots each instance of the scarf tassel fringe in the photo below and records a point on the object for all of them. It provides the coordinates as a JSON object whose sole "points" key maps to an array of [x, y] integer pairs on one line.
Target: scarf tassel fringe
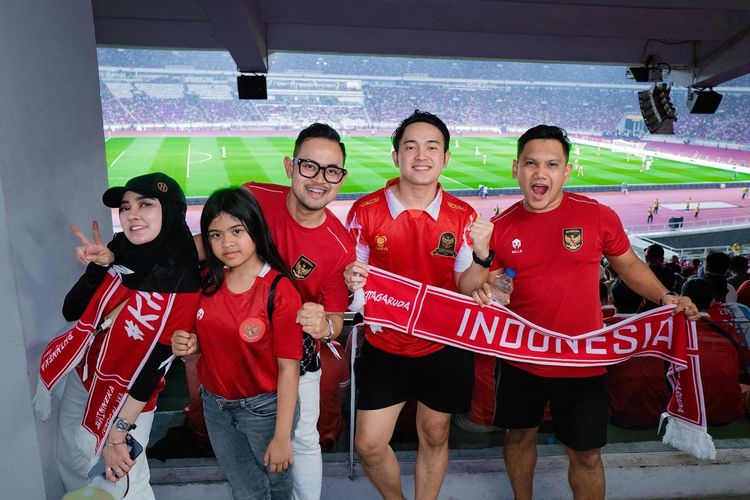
{"points": [[688, 437]]}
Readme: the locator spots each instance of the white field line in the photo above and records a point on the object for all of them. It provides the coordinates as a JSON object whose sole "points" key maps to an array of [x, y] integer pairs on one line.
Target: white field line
{"points": [[188, 161], [118, 157]]}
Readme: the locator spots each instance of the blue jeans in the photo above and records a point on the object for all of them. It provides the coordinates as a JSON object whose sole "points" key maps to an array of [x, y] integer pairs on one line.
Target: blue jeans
{"points": [[240, 431]]}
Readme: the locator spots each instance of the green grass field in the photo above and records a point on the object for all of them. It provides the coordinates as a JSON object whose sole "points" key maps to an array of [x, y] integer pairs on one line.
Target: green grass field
{"points": [[369, 163]]}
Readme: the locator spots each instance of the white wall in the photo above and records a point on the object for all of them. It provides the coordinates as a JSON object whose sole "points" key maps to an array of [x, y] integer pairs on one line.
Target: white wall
{"points": [[52, 173]]}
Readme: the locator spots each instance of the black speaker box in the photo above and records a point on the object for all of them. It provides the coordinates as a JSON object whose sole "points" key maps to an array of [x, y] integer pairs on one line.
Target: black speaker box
{"points": [[252, 87], [703, 102]]}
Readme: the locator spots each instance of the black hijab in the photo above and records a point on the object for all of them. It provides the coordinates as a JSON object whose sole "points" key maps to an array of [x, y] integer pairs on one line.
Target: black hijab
{"points": [[168, 263]]}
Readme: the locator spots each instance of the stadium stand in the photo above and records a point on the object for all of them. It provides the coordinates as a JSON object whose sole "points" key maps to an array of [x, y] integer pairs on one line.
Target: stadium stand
{"points": [[172, 89]]}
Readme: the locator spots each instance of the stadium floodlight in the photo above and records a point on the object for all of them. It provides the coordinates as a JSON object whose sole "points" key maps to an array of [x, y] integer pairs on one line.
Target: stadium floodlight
{"points": [[657, 109], [702, 101], [252, 87]]}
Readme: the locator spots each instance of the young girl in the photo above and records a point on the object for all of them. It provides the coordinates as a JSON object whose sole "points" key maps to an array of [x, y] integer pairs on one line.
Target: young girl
{"points": [[249, 364]]}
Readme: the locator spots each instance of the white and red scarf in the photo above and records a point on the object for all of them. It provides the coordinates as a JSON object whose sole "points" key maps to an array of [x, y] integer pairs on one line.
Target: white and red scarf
{"points": [[129, 341], [432, 313]]}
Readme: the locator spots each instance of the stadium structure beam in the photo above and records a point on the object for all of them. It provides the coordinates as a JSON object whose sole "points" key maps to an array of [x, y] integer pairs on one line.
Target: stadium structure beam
{"points": [[167, 24], [687, 34], [240, 26], [727, 62]]}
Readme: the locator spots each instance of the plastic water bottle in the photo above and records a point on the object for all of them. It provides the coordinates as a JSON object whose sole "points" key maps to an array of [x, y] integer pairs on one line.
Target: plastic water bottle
{"points": [[503, 287]]}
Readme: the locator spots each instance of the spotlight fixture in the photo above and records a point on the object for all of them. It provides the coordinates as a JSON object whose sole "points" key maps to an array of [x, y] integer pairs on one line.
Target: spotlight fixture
{"points": [[657, 109], [702, 101]]}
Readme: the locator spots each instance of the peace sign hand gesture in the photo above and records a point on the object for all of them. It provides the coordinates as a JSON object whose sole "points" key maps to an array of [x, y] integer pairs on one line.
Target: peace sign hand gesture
{"points": [[92, 251]]}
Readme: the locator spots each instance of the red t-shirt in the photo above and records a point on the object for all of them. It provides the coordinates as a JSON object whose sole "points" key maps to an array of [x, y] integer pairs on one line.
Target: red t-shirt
{"points": [[556, 256], [425, 245], [719, 375], [239, 348], [638, 389], [181, 317], [315, 256]]}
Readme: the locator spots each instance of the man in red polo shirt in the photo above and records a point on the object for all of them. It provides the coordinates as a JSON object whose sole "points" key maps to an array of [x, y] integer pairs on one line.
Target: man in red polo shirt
{"points": [[414, 228]]}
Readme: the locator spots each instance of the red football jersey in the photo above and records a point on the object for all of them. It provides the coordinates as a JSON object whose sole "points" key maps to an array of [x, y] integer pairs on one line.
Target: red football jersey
{"points": [[316, 256], [638, 389], [720, 375], [426, 245], [239, 347], [556, 256]]}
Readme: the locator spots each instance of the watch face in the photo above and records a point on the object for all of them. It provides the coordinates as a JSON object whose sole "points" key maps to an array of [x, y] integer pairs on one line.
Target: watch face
{"points": [[122, 425]]}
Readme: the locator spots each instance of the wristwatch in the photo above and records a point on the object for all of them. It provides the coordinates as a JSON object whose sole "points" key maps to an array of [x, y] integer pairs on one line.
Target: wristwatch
{"points": [[329, 337], [123, 425], [484, 262]]}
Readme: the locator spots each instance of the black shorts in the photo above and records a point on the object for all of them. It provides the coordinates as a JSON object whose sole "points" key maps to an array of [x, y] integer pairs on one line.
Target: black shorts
{"points": [[443, 381], [579, 406]]}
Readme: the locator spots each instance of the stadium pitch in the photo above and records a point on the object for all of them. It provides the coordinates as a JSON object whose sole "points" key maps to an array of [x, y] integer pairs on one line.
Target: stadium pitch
{"points": [[203, 164]]}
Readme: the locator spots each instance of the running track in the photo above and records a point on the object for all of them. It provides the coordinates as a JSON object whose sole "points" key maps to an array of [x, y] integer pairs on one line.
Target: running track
{"points": [[632, 208]]}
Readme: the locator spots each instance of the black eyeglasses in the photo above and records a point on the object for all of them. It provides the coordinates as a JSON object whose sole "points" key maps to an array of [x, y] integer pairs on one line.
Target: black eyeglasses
{"points": [[310, 169]]}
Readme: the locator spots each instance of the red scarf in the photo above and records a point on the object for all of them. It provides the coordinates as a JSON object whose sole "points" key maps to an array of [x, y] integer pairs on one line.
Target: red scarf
{"points": [[128, 344], [412, 307]]}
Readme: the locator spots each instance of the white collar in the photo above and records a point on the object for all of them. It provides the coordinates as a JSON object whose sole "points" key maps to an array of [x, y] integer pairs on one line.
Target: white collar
{"points": [[265, 270], [396, 207]]}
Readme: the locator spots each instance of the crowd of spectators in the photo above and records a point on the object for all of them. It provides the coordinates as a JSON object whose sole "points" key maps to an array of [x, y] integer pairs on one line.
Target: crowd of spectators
{"points": [[720, 288], [284, 62], [531, 94]]}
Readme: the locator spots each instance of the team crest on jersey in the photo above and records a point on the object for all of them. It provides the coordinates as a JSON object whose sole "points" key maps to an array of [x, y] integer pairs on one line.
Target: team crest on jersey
{"points": [[380, 243], [303, 268], [252, 330], [446, 245], [573, 238], [456, 206]]}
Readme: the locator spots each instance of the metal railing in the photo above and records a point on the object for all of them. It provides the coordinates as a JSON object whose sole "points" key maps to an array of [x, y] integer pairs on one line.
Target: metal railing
{"points": [[689, 224]]}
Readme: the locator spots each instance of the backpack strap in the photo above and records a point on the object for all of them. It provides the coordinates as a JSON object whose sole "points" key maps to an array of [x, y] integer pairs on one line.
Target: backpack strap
{"points": [[272, 295]]}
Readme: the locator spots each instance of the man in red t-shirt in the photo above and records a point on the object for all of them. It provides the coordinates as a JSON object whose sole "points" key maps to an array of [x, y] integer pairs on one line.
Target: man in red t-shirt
{"points": [[414, 228], [316, 247], [574, 232]]}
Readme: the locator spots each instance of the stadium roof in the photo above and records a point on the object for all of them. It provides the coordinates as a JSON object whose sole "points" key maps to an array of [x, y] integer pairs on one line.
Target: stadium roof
{"points": [[708, 38]]}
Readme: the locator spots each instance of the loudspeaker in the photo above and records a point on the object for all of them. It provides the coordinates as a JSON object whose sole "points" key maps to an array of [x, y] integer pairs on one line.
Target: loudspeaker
{"points": [[252, 87], [645, 74], [703, 102]]}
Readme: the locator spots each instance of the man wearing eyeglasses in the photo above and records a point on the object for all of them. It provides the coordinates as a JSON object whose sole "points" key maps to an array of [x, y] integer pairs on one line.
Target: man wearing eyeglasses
{"points": [[316, 247]]}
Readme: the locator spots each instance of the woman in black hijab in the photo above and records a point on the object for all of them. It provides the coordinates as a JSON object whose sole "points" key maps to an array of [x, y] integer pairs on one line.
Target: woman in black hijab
{"points": [[135, 293]]}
